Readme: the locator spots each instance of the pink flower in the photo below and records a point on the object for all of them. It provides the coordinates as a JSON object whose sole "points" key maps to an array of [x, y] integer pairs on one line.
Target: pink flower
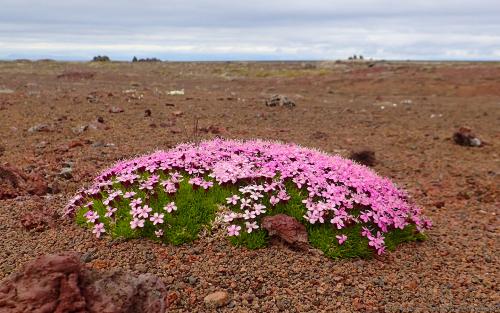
{"points": [[110, 211], [233, 199], [365, 232], [129, 194], [233, 230], [91, 216], [249, 215], [136, 223], [144, 212], [135, 202], [98, 229], [250, 226], [274, 200], [341, 238], [170, 207], [206, 184], [159, 233], [259, 208], [230, 217], [245, 202], [157, 218]]}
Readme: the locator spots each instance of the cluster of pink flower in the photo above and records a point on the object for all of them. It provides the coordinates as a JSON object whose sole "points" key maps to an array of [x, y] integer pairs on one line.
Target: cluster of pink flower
{"points": [[336, 187]]}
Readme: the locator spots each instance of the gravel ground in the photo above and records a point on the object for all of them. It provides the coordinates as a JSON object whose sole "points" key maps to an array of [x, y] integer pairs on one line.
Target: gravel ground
{"points": [[456, 270]]}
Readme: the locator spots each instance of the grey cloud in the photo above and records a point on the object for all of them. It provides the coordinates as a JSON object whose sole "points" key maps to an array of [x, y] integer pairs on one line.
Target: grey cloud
{"points": [[257, 29]]}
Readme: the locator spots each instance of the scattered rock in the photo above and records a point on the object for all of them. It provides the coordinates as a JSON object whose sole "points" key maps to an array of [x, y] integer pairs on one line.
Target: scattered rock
{"points": [[40, 128], [60, 283], [115, 110], [216, 299], [66, 173], [147, 113], [39, 218], [80, 129], [280, 100], [364, 156], [6, 91], [92, 98], [2, 150], [177, 113], [286, 228], [14, 182], [465, 137], [439, 204], [100, 119], [175, 92]]}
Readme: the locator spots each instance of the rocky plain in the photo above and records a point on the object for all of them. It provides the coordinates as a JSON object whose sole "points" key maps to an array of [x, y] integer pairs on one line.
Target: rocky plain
{"points": [[432, 127]]}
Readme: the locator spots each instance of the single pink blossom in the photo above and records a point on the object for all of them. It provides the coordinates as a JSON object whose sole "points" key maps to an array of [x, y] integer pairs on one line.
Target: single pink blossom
{"points": [[170, 207], [136, 222], [233, 199], [233, 230], [341, 238], [250, 226], [98, 229], [157, 218]]}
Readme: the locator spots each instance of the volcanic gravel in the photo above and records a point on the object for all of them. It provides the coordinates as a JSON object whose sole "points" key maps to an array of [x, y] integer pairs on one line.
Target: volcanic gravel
{"points": [[405, 112]]}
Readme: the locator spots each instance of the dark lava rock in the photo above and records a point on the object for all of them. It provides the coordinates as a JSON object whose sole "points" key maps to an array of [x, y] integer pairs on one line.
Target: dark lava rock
{"points": [[465, 137], [280, 100], [364, 156], [60, 283], [286, 228], [147, 113]]}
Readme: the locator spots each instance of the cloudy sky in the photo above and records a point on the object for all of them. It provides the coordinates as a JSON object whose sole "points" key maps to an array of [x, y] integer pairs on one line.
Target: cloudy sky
{"points": [[250, 30]]}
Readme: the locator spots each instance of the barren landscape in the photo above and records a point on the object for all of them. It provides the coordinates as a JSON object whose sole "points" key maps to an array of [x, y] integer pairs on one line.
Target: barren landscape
{"points": [[62, 123]]}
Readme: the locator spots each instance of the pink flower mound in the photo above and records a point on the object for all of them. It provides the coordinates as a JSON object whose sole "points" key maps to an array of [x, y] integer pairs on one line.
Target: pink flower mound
{"points": [[335, 186]]}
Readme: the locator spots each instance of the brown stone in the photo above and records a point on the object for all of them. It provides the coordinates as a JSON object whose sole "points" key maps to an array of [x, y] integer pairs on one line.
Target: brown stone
{"points": [[216, 299], [286, 228]]}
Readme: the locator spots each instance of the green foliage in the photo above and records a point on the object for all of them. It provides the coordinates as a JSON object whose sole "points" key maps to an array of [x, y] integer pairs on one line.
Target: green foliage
{"points": [[197, 209]]}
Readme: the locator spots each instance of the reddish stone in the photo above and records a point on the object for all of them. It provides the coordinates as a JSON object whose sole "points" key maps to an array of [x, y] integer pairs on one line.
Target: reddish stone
{"points": [[286, 228], [59, 283], [13, 183]]}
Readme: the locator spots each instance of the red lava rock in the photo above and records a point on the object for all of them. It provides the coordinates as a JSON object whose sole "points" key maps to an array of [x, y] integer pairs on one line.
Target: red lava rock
{"points": [[364, 156], [115, 110], [47, 284], [60, 283], [465, 137], [13, 182], [286, 228], [39, 218], [172, 298]]}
